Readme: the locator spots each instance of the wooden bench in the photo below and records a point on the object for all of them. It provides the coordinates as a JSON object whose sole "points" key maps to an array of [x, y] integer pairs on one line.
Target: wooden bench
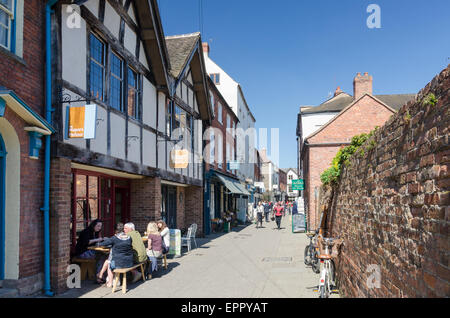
{"points": [[124, 272], [88, 267]]}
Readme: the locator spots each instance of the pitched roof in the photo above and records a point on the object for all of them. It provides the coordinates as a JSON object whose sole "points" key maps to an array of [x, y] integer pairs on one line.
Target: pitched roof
{"points": [[341, 101], [180, 49]]}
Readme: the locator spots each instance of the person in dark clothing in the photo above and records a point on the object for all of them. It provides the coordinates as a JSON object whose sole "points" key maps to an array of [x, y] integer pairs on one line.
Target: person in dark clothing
{"points": [[294, 208], [122, 255], [88, 237], [266, 210]]}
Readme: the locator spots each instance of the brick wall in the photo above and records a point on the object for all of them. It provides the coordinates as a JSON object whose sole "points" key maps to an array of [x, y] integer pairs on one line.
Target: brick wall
{"points": [[145, 202], [194, 208], [391, 205], [362, 117], [60, 219]]}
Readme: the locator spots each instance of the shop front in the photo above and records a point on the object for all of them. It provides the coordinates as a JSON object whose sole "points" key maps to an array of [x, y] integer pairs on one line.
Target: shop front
{"points": [[222, 196]]}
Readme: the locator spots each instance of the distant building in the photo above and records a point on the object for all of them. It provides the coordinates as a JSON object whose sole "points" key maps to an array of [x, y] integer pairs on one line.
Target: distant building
{"points": [[291, 174], [324, 129]]}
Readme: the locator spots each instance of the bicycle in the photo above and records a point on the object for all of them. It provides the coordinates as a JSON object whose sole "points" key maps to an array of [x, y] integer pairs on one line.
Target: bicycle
{"points": [[327, 275], [311, 254]]}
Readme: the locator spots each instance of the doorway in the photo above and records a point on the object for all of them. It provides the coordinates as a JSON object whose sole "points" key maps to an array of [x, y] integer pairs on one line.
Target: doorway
{"points": [[169, 205]]}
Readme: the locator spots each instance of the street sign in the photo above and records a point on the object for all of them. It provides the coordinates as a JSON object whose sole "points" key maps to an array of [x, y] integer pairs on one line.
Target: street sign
{"points": [[179, 159], [298, 184], [82, 121]]}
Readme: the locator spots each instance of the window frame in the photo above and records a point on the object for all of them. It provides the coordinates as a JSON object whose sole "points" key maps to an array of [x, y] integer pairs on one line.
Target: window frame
{"points": [[121, 80], [12, 13], [102, 66], [137, 113]]}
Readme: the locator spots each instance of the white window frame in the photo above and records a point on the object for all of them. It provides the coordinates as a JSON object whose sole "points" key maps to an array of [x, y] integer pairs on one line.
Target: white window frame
{"points": [[10, 22]]}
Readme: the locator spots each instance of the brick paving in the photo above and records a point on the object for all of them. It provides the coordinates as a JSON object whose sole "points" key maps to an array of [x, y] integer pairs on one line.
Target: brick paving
{"points": [[245, 263]]}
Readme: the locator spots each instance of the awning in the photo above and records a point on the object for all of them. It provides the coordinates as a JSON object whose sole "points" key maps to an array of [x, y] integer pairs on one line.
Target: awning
{"points": [[25, 112], [230, 184], [241, 187]]}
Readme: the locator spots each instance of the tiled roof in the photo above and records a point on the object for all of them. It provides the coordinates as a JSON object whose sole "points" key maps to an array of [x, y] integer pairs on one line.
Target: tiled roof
{"points": [[341, 101], [180, 48]]}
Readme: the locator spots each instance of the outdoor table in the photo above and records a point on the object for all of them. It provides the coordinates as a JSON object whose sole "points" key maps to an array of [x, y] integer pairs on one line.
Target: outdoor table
{"points": [[102, 249]]}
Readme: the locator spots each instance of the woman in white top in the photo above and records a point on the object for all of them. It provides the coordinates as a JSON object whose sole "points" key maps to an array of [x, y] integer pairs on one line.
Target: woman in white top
{"points": [[165, 234]]}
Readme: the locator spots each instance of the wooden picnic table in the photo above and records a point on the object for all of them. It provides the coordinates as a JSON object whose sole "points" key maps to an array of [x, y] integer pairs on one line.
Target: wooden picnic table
{"points": [[102, 249]]}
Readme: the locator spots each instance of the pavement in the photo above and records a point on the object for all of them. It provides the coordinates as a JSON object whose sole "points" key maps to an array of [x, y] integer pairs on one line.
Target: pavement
{"points": [[245, 263]]}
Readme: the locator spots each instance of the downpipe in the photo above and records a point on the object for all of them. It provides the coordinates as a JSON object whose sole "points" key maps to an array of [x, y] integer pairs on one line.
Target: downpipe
{"points": [[48, 117]]}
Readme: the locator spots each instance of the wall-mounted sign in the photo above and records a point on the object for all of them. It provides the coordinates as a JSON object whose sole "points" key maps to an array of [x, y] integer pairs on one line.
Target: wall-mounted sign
{"points": [[82, 121], [179, 159], [233, 165], [298, 184]]}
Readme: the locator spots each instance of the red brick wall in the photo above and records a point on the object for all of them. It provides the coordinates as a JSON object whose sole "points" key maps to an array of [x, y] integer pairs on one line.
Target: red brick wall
{"points": [[391, 205], [362, 117], [25, 77], [60, 219], [194, 208], [145, 202]]}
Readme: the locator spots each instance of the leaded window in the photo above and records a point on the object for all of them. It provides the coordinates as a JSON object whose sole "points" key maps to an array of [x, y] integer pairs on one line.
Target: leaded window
{"points": [[97, 67], [116, 82], [133, 95]]}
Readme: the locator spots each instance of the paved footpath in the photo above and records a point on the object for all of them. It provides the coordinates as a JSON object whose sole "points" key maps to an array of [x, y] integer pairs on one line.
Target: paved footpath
{"points": [[245, 263]]}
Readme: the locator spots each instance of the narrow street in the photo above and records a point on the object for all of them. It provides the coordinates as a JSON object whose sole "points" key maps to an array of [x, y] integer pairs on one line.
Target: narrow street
{"points": [[247, 262]]}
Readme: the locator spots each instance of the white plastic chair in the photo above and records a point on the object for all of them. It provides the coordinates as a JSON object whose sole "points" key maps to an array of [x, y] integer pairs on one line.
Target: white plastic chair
{"points": [[190, 236]]}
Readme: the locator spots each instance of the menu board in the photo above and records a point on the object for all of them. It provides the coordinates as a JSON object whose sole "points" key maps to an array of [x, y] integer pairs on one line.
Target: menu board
{"points": [[298, 223], [175, 243]]}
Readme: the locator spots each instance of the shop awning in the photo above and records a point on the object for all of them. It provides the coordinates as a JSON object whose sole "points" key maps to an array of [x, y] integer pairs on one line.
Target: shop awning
{"points": [[242, 189], [230, 184]]}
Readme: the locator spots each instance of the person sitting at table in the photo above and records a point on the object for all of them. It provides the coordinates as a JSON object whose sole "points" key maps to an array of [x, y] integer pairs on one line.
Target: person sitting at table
{"points": [[154, 249], [165, 234], [89, 237], [121, 253], [139, 251], [119, 229]]}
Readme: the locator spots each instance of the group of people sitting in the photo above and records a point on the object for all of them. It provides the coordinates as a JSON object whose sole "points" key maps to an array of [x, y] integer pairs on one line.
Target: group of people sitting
{"points": [[127, 248]]}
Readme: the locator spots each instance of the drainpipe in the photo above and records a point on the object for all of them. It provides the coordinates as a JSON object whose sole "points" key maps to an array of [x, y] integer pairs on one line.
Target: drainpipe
{"points": [[48, 117]]}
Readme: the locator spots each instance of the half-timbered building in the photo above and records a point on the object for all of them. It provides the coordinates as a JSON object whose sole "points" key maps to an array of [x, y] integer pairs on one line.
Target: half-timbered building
{"points": [[151, 99]]}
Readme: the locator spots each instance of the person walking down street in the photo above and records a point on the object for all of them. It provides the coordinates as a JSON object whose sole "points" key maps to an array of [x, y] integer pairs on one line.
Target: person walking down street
{"points": [[259, 212], [266, 211], [278, 213]]}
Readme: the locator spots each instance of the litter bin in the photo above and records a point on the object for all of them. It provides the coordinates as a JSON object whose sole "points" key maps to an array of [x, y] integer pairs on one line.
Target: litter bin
{"points": [[226, 227]]}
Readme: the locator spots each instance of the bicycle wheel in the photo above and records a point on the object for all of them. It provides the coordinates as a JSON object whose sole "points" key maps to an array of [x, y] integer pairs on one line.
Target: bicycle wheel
{"points": [[315, 263], [307, 255], [322, 292]]}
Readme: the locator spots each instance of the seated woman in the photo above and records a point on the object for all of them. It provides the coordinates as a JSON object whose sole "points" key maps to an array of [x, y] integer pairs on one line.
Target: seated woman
{"points": [[121, 253], [119, 229], [89, 237], [165, 234], [154, 249]]}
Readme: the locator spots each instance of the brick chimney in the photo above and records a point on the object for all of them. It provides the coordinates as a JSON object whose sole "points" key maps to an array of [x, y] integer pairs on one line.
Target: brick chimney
{"points": [[362, 84], [205, 48], [338, 91]]}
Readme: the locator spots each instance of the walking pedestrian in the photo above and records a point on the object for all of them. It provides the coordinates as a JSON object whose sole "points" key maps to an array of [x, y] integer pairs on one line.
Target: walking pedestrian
{"points": [[267, 210], [278, 213], [294, 208], [259, 212]]}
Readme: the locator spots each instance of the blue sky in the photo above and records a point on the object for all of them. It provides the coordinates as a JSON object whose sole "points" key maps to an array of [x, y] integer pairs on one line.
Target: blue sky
{"points": [[289, 53]]}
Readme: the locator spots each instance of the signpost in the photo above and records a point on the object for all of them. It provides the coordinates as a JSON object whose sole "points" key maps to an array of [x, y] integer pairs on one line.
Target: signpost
{"points": [[298, 185]]}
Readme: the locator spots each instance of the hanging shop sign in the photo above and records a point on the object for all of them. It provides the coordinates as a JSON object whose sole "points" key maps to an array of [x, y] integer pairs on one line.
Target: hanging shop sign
{"points": [[298, 185], [179, 159], [82, 121]]}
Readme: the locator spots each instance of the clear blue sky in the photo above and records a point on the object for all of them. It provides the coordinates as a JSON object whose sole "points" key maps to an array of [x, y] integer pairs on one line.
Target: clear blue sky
{"points": [[288, 53]]}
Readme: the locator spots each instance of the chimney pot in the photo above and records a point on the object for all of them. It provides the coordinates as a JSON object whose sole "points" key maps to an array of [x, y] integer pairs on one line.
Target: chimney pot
{"points": [[205, 48], [338, 91]]}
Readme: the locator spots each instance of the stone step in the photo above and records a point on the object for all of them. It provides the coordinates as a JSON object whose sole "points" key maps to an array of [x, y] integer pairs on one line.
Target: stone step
{"points": [[8, 293]]}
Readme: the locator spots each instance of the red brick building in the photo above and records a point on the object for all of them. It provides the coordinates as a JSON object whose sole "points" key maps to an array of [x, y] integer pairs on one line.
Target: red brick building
{"points": [[350, 116], [22, 131], [222, 186]]}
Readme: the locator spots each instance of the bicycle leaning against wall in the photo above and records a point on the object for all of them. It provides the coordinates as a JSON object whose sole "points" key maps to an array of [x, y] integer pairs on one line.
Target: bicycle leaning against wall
{"points": [[311, 255], [328, 273]]}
